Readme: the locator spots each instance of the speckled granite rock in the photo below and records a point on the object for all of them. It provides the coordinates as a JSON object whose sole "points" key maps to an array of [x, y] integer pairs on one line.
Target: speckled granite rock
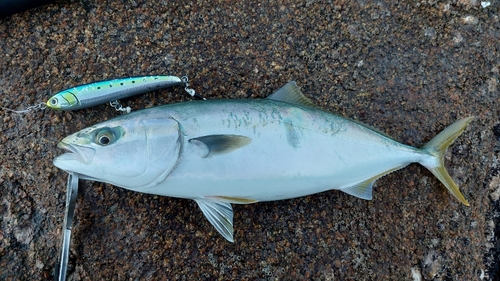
{"points": [[409, 69]]}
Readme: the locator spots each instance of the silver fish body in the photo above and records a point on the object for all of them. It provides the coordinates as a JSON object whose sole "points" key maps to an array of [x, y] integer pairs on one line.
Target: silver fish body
{"points": [[244, 151]]}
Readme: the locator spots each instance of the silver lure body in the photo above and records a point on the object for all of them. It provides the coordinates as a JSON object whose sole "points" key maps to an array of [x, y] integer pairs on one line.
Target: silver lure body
{"points": [[97, 93], [244, 151]]}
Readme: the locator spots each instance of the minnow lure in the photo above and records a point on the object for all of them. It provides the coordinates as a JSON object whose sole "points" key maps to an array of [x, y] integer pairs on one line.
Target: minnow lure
{"points": [[111, 91], [106, 91]]}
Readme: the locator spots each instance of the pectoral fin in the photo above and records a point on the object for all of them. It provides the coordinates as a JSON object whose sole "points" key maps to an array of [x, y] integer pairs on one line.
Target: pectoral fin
{"points": [[219, 214], [221, 144]]}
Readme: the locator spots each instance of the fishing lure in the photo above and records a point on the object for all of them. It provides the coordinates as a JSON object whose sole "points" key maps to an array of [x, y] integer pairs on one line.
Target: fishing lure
{"points": [[111, 91]]}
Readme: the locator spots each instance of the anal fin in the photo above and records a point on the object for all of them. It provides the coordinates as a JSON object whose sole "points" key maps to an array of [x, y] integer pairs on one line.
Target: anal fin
{"points": [[364, 189], [219, 214]]}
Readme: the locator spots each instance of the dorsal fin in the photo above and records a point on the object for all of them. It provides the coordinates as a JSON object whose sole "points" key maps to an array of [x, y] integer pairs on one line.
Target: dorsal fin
{"points": [[291, 93]]}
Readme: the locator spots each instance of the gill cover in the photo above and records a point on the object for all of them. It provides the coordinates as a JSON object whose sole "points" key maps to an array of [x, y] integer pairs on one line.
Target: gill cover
{"points": [[129, 152], [149, 154]]}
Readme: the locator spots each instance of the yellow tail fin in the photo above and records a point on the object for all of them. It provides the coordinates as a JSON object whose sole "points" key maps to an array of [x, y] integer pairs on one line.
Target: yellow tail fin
{"points": [[437, 147]]}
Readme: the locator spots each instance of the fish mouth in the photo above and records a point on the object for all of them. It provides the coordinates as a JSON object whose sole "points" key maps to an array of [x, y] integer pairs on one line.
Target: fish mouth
{"points": [[75, 152]]}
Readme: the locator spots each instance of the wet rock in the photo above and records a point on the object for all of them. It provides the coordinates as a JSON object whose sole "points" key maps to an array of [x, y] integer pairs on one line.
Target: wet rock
{"points": [[408, 69]]}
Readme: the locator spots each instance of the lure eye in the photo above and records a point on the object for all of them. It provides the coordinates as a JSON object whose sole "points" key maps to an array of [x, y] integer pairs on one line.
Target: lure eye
{"points": [[53, 101], [104, 138]]}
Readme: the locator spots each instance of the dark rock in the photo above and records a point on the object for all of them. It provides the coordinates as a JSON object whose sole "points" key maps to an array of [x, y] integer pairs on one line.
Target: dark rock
{"points": [[407, 68]]}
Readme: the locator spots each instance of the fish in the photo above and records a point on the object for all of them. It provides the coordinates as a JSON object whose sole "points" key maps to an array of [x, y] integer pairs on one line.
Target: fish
{"points": [[223, 152], [97, 93]]}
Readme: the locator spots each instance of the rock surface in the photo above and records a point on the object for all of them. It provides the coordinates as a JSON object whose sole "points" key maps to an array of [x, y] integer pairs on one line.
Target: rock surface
{"points": [[408, 69]]}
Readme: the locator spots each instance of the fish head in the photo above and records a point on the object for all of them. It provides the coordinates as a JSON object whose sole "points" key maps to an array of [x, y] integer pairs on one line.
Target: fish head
{"points": [[132, 152], [63, 100]]}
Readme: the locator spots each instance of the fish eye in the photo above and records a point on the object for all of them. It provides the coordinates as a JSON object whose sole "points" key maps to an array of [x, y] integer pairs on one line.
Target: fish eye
{"points": [[104, 138], [53, 101]]}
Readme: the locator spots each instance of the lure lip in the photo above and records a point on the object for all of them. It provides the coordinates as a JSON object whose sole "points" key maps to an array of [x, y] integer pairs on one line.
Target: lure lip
{"points": [[74, 152]]}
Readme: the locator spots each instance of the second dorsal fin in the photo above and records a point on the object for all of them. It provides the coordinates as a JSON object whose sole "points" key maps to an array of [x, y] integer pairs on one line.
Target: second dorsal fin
{"points": [[291, 93]]}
